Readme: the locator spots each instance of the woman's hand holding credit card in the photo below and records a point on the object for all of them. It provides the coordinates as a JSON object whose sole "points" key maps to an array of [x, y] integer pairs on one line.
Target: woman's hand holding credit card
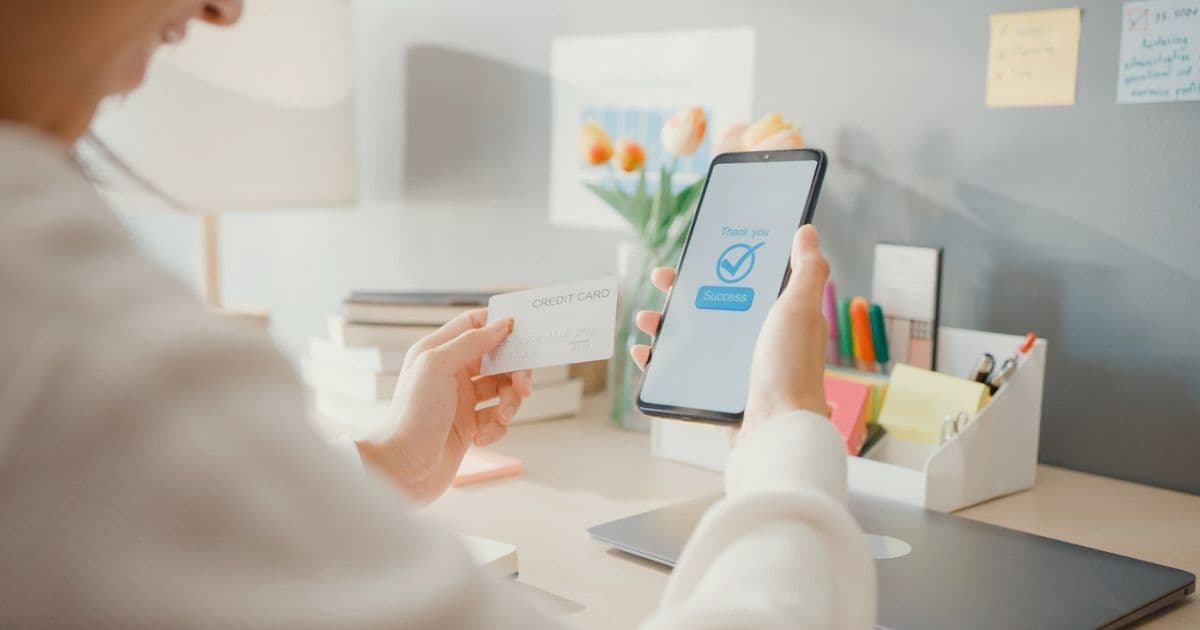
{"points": [[441, 406]]}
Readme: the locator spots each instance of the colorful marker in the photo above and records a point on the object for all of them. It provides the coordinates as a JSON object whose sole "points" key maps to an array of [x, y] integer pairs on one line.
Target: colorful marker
{"points": [[879, 337], [829, 308], [846, 338], [860, 325]]}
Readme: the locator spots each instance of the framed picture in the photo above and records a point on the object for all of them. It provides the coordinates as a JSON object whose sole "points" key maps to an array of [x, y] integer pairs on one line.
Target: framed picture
{"points": [[630, 85]]}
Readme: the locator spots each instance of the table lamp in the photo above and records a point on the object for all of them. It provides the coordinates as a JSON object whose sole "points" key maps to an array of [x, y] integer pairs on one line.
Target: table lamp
{"points": [[253, 117]]}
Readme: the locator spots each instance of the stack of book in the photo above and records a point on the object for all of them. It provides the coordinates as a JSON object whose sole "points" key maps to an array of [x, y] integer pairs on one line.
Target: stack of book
{"points": [[354, 371]]}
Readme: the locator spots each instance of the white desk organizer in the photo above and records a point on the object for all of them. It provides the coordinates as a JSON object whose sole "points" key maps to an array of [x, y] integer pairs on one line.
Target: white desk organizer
{"points": [[995, 455]]}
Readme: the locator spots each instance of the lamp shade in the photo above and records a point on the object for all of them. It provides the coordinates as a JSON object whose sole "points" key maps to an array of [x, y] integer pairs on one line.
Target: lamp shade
{"points": [[256, 116]]}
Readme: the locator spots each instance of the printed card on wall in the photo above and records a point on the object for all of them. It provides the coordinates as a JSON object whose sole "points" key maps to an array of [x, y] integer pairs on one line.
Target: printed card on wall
{"points": [[1033, 58], [1160, 52], [630, 85]]}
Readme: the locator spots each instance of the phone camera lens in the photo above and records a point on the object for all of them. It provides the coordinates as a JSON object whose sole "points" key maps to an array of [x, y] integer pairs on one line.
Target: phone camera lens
{"points": [[767, 156]]}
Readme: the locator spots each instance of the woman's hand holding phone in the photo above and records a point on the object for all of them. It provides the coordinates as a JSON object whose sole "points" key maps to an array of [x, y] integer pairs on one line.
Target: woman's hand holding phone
{"points": [[788, 370]]}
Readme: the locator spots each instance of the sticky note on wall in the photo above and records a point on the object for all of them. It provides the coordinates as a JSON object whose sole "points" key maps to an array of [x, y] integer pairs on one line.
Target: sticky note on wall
{"points": [[1160, 52], [1033, 58], [917, 400]]}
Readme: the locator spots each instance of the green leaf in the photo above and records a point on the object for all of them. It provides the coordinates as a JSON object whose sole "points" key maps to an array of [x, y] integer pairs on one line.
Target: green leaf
{"points": [[663, 205], [641, 203], [619, 201], [684, 202]]}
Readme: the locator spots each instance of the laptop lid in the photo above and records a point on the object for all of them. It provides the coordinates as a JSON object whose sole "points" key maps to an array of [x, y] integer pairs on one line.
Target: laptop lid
{"points": [[958, 573]]}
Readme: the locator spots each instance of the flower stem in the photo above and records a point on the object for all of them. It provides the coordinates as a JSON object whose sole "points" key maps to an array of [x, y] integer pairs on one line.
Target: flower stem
{"points": [[616, 180]]}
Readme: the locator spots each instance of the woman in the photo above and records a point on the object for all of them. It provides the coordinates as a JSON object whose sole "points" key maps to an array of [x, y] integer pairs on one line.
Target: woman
{"points": [[155, 470]]}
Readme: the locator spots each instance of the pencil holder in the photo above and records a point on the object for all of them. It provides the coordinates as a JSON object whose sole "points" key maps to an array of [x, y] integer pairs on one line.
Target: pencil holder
{"points": [[994, 455]]}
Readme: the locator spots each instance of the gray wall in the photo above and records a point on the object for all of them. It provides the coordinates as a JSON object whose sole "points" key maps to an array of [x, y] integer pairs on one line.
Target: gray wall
{"points": [[1082, 223]]}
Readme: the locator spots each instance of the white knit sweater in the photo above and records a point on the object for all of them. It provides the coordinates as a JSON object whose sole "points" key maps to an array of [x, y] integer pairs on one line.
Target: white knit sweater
{"points": [[156, 470]]}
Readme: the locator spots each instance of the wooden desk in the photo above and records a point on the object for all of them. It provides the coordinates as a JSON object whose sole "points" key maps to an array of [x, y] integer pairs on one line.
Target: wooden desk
{"points": [[582, 472]]}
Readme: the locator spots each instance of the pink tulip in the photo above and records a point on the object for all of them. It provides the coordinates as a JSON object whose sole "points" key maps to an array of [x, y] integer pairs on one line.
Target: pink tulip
{"points": [[731, 141], [684, 131], [780, 141], [764, 128]]}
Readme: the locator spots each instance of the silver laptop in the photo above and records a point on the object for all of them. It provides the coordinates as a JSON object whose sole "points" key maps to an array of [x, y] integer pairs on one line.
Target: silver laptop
{"points": [[958, 573]]}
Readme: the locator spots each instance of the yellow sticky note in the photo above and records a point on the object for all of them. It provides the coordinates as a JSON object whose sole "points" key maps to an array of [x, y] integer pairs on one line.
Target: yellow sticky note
{"points": [[1033, 58], [917, 401]]}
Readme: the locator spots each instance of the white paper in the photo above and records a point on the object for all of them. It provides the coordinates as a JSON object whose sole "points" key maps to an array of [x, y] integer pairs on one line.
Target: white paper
{"points": [[559, 325], [630, 84], [1160, 52], [905, 281]]}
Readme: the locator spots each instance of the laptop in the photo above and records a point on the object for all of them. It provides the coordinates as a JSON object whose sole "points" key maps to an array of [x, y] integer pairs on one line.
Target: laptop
{"points": [[941, 571]]}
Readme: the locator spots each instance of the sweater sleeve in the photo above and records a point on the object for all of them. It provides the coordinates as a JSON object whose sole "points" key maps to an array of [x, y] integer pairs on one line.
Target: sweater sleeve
{"points": [[156, 468], [178, 486], [781, 549]]}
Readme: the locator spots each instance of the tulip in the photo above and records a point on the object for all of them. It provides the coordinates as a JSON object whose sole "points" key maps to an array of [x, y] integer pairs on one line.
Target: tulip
{"points": [[684, 131], [731, 141], [628, 155], [780, 141], [595, 147], [764, 128]]}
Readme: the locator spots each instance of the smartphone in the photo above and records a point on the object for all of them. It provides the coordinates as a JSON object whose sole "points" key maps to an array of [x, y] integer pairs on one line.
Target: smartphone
{"points": [[735, 264]]}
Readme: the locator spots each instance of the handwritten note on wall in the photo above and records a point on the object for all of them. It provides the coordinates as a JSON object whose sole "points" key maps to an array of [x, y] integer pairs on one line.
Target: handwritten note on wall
{"points": [[1033, 58], [1160, 52]]}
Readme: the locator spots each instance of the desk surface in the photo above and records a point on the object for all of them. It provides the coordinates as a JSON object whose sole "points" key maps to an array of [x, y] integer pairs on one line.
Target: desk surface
{"points": [[581, 472]]}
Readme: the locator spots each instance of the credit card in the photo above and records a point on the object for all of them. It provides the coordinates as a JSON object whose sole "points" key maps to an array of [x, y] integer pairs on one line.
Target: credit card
{"points": [[559, 325]]}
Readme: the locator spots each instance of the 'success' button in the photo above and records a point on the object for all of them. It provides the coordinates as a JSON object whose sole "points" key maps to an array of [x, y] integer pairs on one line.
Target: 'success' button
{"points": [[724, 298]]}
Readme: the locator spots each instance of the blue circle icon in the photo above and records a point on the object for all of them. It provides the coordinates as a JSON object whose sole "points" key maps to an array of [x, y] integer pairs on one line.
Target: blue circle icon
{"points": [[737, 261]]}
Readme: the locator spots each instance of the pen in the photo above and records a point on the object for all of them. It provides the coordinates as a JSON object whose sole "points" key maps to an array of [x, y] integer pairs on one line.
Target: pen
{"points": [[983, 369], [1003, 374], [829, 308], [846, 338], [879, 337], [860, 325]]}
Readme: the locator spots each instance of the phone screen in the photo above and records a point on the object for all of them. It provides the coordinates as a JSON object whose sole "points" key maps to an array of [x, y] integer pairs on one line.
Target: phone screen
{"points": [[730, 275]]}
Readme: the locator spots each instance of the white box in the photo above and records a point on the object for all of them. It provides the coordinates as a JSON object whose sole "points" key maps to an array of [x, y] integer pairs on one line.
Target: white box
{"points": [[995, 455]]}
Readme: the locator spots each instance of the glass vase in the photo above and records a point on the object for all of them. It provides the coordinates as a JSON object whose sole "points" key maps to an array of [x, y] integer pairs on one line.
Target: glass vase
{"points": [[637, 293]]}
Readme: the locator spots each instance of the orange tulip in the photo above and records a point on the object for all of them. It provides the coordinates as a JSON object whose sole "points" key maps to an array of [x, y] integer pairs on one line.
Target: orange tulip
{"points": [[595, 147], [628, 155], [684, 131]]}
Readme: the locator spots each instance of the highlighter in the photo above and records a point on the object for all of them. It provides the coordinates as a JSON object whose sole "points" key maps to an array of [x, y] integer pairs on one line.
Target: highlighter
{"points": [[846, 338], [860, 325], [879, 336], [829, 309]]}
